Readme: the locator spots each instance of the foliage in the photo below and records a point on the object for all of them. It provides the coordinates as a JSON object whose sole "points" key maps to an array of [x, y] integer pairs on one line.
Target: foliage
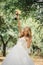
{"points": [[32, 16]]}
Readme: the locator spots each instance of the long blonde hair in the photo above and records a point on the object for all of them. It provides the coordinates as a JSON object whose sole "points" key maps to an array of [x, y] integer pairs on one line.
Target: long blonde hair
{"points": [[21, 33], [29, 32]]}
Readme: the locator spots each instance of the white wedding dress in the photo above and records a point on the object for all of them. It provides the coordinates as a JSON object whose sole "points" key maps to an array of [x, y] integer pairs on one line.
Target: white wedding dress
{"points": [[18, 54]]}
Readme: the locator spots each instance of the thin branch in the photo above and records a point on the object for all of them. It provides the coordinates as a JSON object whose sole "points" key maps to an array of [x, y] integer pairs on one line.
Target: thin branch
{"points": [[7, 40], [2, 39]]}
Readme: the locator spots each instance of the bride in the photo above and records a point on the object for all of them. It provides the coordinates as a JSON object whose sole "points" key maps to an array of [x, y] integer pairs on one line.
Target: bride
{"points": [[18, 54]]}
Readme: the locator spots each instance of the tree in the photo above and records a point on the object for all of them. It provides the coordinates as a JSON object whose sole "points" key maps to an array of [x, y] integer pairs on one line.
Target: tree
{"points": [[5, 35], [4, 45]]}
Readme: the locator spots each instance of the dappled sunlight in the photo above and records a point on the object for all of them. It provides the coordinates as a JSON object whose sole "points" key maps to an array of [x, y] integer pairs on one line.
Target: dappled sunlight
{"points": [[30, 14]]}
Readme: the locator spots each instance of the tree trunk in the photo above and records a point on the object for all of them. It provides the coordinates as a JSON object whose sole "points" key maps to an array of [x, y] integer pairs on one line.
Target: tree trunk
{"points": [[4, 45], [4, 49]]}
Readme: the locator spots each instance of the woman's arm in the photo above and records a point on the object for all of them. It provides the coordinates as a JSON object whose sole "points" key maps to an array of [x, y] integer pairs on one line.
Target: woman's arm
{"points": [[19, 25], [19, 22], [29, 40]]}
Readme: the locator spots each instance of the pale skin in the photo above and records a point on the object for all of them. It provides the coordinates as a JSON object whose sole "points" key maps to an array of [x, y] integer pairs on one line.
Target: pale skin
{"points": [[28, 40]]}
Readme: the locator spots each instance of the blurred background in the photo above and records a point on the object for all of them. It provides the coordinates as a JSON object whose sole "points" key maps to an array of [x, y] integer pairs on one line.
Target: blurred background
{"points": [[31, 15]]}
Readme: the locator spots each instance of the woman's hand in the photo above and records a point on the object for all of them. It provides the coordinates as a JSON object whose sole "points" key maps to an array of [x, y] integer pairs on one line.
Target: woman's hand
{"points": [[18, 12]]}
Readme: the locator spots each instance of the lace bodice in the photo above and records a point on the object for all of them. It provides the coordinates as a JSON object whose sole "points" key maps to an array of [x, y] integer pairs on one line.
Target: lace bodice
{"points": [[22, 42]]}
